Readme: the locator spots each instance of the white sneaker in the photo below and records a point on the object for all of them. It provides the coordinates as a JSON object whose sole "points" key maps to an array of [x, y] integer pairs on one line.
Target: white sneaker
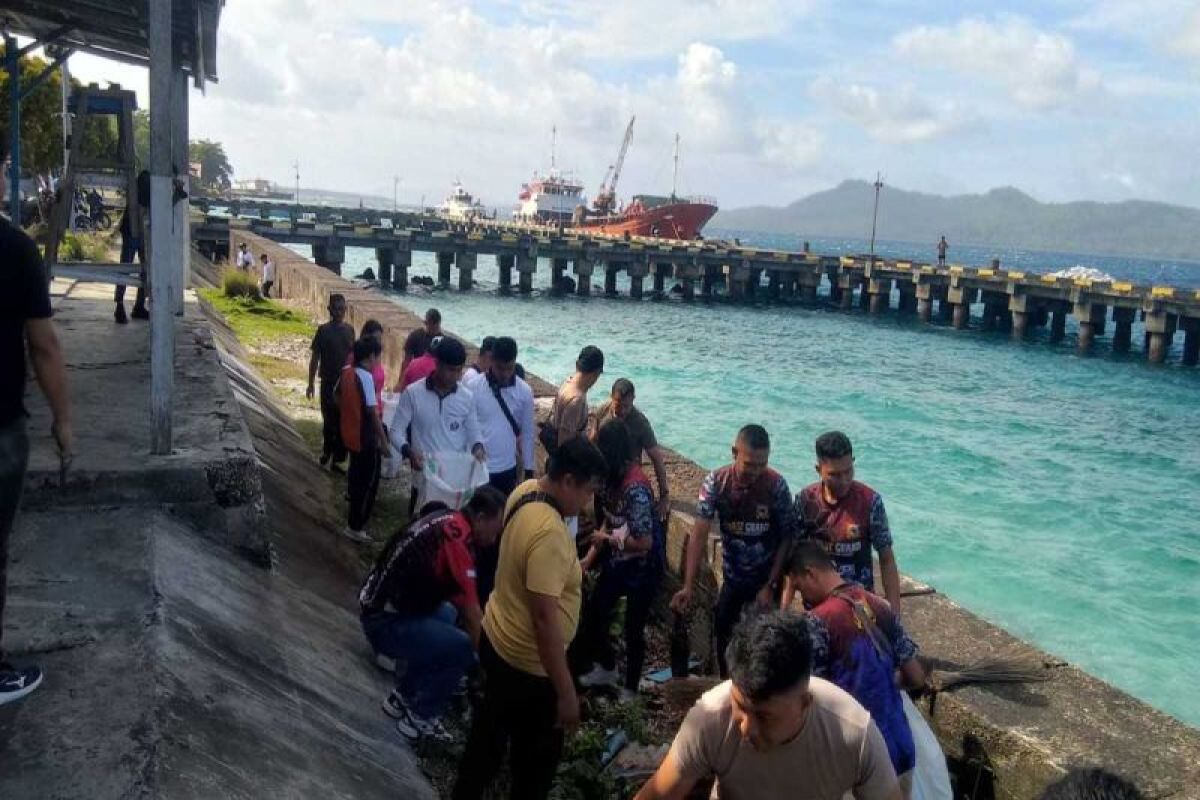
{"points": [[357, 536], [599, 677], [413, 727]]}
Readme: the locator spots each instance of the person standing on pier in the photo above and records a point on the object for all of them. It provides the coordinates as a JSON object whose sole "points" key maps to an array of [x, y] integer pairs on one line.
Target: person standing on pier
{"points": [[421, 340], [859, 645], [848, 519], [529, 700], [775, 731], [942, 246], [483, 361], [268, 275], [620, 406], [244, 260], [25, 325], [754, 506], [504, 406], [629, 546], [331, 345], [440, 411], [569, 414], [362, 433]]}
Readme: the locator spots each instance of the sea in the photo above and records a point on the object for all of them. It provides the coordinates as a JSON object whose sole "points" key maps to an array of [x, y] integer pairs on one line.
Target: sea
{"points": [[1053, 494]]}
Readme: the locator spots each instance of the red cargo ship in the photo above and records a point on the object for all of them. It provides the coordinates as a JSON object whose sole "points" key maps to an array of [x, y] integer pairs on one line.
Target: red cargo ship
{"points": [[558, 200]]}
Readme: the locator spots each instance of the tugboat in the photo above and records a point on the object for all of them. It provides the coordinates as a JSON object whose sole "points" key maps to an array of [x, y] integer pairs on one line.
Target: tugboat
{"points": [[461, 206], [669, 217]]}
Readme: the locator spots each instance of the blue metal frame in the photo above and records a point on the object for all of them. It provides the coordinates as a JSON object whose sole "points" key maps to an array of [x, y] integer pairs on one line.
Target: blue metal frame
{"points": [[12, 63]]}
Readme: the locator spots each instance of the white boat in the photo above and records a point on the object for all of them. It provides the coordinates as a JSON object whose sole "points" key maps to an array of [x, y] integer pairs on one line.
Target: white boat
{"points": [[549, 199], [461, 205]]}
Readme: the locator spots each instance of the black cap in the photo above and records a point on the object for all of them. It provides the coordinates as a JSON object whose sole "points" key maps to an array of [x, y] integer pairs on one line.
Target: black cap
{"points": [[449, 351], [591, 359]]}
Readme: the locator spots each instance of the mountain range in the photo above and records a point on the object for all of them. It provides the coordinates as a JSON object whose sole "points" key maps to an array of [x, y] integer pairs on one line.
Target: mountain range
{"points": [[1005, 216]]}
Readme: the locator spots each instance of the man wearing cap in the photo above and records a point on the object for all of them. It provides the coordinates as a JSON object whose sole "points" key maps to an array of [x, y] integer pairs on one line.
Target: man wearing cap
{"points": [[440, 411], [569, 415]]}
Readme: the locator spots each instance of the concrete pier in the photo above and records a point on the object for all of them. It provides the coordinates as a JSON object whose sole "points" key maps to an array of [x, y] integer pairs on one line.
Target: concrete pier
{"points": [[1014, 302], [584, 267]]}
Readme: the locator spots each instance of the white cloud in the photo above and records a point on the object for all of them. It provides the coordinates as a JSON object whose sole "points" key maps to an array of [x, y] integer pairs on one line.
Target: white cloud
{"points": [[1040, 70], [1187, 41], [895, 115]]}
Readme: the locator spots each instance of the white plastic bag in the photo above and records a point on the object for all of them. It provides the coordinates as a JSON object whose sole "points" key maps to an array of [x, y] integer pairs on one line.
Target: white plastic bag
{"points": [[450, 478], [931, 778], [391, 466]]}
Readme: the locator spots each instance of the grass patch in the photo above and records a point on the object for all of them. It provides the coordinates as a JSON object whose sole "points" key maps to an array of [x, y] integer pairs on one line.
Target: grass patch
{"points": [[238, 283], [84, 247], [254, 320], [274, 369]]}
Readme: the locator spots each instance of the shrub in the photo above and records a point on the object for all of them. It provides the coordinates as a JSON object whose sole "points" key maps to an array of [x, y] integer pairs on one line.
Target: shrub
{"points": [[237, 283], [83, 247]]}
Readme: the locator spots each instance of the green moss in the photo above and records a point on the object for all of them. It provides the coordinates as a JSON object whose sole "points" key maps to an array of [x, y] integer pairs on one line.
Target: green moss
{"points": [[257, 320]]}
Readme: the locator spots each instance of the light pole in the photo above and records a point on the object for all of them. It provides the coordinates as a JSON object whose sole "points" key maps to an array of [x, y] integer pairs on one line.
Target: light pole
{"points": [[395, 192], [875, 214], [296, 167]]}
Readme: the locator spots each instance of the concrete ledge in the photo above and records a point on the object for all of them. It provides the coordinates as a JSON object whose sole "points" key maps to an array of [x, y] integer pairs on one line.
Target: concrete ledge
{"points": [[211, 476]]}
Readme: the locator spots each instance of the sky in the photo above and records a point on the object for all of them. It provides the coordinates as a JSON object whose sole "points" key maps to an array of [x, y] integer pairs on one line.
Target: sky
{"points": [[772, 99]]}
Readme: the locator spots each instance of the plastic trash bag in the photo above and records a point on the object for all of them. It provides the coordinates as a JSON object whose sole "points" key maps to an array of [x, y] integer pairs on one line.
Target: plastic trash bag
{"points": [[450, 478], [391, 467], [931, 778]]}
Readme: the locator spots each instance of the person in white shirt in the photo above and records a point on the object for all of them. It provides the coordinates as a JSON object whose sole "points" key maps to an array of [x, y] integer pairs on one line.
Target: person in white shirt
{"points": [[244, 260], [268, 275], [504, 407], [440, 411], [483, 362]]}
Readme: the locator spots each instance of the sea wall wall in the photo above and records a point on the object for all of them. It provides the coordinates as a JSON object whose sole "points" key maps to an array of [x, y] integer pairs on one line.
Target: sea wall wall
{"points": [[1011, 740]]}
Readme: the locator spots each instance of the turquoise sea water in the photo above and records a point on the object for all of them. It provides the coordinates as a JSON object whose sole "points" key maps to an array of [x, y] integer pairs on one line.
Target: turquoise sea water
{"points": [[1054, 495]]}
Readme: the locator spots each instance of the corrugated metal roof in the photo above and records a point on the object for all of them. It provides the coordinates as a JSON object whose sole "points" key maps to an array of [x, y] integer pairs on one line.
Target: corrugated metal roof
{"points": [[117, 29]]}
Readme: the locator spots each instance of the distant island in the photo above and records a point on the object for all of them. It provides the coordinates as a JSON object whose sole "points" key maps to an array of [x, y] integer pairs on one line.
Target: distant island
{"points": [[1004, 216]]}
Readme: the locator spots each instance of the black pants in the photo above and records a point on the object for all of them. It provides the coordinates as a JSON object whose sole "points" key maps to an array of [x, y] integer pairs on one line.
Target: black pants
{"points": [[129, 247], [731, 603], [488, 558], [14, 458], [331, 424], [594, 645], [363, 484], [267, 288], [518, 714]]}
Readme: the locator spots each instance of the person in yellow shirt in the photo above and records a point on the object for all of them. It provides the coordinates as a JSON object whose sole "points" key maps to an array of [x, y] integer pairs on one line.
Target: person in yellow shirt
{"points": [[529, 696]]}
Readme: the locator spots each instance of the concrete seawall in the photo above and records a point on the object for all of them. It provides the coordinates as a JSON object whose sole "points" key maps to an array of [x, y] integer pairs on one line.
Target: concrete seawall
{"points": [[1015, 738]]}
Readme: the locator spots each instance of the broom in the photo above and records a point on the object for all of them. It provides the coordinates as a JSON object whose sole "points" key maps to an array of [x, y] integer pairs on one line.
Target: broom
{"points": [[1015, 669]]}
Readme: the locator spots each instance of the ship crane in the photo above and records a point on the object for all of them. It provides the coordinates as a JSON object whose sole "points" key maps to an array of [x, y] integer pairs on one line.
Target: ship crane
{"points": [[606, 198]]}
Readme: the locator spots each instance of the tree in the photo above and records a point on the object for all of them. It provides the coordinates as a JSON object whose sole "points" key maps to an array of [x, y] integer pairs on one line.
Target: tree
{"points": [[215, 170], [41, 120], [141, 138]]}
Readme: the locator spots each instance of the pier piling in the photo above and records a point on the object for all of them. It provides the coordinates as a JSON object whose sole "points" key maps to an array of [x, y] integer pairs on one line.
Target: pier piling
{"points": [[467, 261], [662, 271], [526, 266], [330, 255], [1058, 323], [558, 269], [504, 261], [384, 257], [584, 267], [610, 278], [1123, 328], [1161, 330], [401, 261], [1191, 340], [444, 261]]}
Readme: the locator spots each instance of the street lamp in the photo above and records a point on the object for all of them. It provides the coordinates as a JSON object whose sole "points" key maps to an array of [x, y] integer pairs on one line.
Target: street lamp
{"points": [[395, 192]]}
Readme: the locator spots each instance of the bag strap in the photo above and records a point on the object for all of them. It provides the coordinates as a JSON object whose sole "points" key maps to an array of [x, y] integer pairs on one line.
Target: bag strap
{"points": [[866, 619], [533, 497], [504, 406]]}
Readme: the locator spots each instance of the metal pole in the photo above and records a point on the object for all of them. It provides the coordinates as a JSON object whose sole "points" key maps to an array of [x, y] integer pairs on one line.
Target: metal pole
{"points": [[13, 64], [395, 191], [65, 75], [162, 256], [875, 214], [296, 167]]}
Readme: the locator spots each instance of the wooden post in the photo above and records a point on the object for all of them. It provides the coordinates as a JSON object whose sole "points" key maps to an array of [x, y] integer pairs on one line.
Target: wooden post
{"points": [[163, 250], [179, 161]]}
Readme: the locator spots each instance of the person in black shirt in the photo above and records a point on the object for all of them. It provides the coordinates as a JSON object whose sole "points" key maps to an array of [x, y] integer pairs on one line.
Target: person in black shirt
{"points": [[24, 321], [131, 244], [330, 347]]}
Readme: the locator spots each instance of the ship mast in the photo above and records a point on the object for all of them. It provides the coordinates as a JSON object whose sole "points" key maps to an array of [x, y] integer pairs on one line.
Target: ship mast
{"points": [[553, 145], [675, 169]]}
